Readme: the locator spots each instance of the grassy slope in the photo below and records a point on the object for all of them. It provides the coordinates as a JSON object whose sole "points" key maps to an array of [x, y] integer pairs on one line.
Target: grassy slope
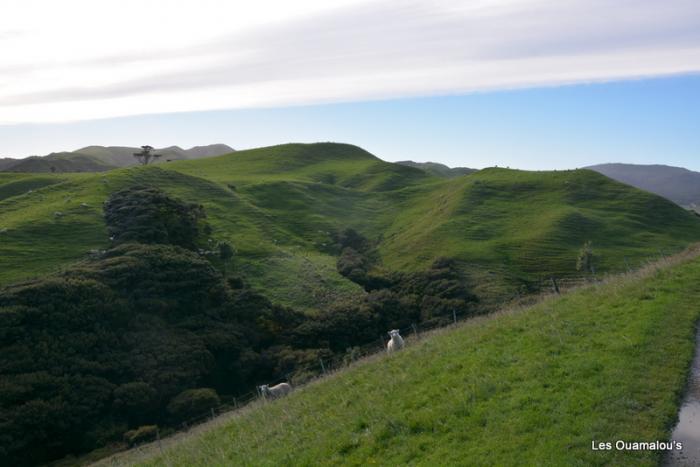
{"points": [[277, 206], [61, 162], [525, 387]]}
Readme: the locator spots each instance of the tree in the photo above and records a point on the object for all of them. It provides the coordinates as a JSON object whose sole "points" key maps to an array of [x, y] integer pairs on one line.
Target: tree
{"points": [[193, 403], [585, 258], [225, 253], [146, 155]]}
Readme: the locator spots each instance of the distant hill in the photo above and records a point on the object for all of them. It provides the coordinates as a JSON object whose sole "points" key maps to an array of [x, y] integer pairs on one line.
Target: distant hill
{"points": [[102, 158], [6, 162], [439, 170], [59, 162], [682, 186]]}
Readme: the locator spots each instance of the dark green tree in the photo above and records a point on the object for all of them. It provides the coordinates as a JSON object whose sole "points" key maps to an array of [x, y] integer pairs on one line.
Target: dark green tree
{"points": [[145, 214], [146, 155]]}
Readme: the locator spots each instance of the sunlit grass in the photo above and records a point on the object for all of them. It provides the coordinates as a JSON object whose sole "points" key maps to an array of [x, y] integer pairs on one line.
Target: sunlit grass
{"points": [[532, 386]]}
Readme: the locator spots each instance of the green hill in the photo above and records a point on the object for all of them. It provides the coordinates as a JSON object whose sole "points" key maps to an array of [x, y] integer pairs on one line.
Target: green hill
{"points": [[439, 170], [280, 206], [532, 386], [102, 158], [60, 162], [138, 316]]}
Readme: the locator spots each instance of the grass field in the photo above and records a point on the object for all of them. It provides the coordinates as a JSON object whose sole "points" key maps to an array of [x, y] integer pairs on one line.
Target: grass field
{"points": [[279, 205], [531, 386]]}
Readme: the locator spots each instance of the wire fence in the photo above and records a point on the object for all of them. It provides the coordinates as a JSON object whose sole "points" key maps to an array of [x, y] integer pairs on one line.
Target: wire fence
{"points": [[305, 374], [302, 375]]}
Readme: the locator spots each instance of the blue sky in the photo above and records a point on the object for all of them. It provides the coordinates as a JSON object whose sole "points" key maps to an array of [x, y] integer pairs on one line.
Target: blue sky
{"points": [[637, 121], [532, 84]]}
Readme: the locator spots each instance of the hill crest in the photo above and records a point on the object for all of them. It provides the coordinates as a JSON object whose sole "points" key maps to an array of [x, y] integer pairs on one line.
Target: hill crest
{"points": [[680, 185], [103, 158]]}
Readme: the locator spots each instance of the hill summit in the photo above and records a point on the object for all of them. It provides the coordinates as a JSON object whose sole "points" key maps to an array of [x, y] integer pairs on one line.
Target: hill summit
{"points": [[103, 158]]}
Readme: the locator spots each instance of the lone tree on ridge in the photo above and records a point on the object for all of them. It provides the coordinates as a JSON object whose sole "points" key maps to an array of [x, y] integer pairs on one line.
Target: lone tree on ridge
{"points": [[146, 155]]}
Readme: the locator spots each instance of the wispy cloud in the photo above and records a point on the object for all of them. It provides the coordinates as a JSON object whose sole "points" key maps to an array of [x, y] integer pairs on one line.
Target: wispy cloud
{"points": [[360, 50]]}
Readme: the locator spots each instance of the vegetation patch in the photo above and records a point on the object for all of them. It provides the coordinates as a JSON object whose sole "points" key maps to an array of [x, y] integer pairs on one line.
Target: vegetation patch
{"points": [[533, 386]]}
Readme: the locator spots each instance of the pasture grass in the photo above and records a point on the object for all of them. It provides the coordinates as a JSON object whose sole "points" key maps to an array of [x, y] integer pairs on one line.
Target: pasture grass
{"points": [[531, 386], [279, 207]]}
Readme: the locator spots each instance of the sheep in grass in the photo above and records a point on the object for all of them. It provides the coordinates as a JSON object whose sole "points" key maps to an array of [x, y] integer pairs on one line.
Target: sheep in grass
{"points": [[276, 391], [396, 341]]}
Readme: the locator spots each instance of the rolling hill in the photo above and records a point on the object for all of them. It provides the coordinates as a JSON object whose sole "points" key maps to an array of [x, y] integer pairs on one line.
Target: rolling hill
{"points": [[148, 315], [528, 386], [103, 158], [682, 186], [279, 206], [439, 170], [6, 162]]}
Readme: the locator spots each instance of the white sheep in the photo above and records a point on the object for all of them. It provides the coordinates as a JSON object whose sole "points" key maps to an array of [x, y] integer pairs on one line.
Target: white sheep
{"points": [[276, 391], [396, 341]]}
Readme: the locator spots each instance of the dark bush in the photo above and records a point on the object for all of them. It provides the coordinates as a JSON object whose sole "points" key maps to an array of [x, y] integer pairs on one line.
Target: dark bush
{"points": [[146, 214], [350, 238], [193, 403], [136, 401], [142, 434], [353, 265]]}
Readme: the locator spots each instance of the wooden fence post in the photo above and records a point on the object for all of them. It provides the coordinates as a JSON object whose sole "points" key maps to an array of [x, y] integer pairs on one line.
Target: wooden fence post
{"points": [[556, 286]]}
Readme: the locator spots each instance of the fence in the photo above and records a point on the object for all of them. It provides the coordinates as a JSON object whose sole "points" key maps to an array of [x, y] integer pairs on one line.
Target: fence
{"points": [[305, 374]]}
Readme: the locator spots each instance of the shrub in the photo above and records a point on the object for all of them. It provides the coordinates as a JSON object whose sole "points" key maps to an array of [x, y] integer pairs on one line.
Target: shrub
{"points": [[140, 435], [146, 214], [193, 403], [135, 400]]}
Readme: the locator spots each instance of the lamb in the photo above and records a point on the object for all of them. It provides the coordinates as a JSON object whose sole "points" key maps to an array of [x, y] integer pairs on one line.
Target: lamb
{"points": [[396, 341], [276, 391]]}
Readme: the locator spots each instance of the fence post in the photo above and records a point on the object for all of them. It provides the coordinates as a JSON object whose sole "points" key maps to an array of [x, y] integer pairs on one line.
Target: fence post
{"points": [[454, 316], [556, 286], [235, 404], [381, 341], [212, 414], [323, 368], [415, 330], [160, 445]]}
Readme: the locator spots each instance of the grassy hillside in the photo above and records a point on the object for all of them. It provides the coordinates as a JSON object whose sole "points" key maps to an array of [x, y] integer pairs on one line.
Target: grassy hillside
{"points": [[439, 170], [280, 205], [531, 386]]}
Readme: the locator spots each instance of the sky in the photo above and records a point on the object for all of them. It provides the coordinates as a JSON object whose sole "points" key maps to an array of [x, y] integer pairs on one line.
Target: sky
{"points": [[532, 84]]}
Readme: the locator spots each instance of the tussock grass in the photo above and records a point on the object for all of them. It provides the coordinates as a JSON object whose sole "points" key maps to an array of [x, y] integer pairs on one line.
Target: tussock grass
{"points": [[528, 385]]}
